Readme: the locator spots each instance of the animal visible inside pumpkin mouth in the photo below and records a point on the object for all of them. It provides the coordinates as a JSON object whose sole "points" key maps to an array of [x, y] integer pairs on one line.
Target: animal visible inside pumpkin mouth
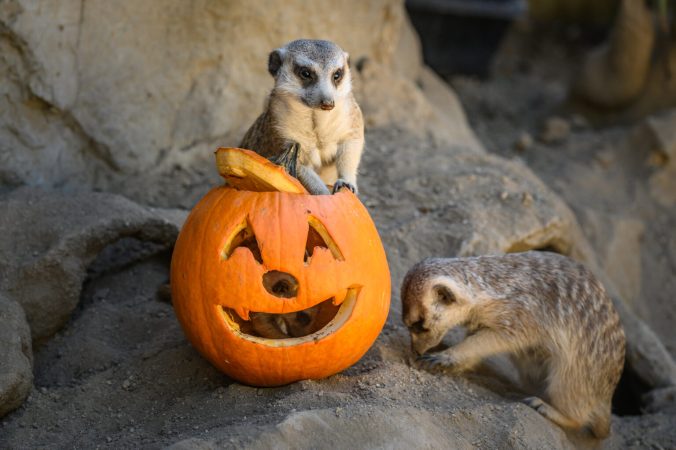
{"points": [[284, 330]]}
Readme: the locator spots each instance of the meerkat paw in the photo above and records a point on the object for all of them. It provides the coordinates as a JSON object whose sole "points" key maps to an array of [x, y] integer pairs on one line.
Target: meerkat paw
{"points": [[534, 402], [340, 184], [438, 361], [549, 412]]}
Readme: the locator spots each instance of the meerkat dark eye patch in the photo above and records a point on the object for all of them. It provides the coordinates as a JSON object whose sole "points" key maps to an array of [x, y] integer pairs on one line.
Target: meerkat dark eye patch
{"points": [[305, 74], [442, 294], [418, 327], [338, 76]]}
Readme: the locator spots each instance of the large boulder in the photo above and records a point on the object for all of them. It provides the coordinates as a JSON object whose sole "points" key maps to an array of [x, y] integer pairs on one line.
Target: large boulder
{"points": [[96, 93], [55, 236]]}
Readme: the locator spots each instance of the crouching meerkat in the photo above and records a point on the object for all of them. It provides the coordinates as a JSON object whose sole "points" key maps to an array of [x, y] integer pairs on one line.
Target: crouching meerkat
{"points": [[311, 122], [546, 311]]}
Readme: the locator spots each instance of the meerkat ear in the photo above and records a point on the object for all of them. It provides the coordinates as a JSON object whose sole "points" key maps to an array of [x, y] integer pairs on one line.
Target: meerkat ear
{"points": [[443, 295], [275, 61], [347, 59]]}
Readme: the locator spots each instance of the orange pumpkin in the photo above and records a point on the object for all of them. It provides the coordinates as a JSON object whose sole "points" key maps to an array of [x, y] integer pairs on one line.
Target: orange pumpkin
{"points": [[234, 245]]}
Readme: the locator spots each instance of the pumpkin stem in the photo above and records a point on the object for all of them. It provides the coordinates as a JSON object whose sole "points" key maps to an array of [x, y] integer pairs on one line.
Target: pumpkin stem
{"points": [[247, 171]]}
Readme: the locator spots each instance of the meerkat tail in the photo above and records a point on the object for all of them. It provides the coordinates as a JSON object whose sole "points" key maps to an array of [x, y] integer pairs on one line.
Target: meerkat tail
{"points": [[599, 425]]}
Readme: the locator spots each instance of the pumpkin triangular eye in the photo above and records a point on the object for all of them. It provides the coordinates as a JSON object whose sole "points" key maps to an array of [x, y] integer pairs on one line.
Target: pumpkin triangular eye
{"points": [[318, 236], [243, 237]]}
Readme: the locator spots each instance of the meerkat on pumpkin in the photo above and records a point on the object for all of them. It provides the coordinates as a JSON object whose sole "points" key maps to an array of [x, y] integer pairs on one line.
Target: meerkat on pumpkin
{"points": [[546, 311], [311, 124]]}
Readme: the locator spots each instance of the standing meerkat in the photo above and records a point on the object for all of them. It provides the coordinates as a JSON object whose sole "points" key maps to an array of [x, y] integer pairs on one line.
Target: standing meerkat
{"points": [[546, 311], [311, 122]]}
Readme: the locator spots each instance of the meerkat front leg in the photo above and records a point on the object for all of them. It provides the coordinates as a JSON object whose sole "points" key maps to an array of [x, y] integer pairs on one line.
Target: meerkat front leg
{"points": [[289, 159], [468, 353], [310, 179], [347, 162]]}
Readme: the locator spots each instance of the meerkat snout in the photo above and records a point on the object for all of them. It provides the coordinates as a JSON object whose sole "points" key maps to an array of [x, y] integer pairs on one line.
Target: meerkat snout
{"points": [[442, 305]]}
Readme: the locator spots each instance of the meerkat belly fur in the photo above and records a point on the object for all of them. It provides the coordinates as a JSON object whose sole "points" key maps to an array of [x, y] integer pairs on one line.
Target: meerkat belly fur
{"points": [[546, 311], [312, 106]]}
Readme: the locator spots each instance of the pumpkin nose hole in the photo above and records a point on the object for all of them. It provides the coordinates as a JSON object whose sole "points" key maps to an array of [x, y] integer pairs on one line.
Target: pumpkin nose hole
{"points": [[280, 284]]}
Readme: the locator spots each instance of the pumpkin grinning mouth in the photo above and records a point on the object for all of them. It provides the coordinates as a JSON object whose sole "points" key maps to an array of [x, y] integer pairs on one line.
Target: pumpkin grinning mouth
{"points": [[327, 317]]}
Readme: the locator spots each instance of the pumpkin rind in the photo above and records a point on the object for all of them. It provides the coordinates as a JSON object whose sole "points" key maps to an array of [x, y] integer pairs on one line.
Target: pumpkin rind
{"points": [[203, 280], [246, 170]]}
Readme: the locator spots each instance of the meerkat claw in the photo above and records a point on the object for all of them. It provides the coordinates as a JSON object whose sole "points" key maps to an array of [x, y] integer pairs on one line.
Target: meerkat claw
{"points": [[434, 361], [534, 402], [340, 184]]}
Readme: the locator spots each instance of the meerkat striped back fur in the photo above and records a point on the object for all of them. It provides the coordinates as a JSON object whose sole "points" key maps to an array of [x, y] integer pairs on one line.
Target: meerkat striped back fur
{"points": [[549, 313]]}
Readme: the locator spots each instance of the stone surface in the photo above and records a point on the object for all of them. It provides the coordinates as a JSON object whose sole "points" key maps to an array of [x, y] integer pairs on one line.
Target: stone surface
{"points": [[615, 73], [555, 129], [87, 102], [55, 235], [523, 142], [124, 349], [16, 356], [404, 427], [658, 134]]}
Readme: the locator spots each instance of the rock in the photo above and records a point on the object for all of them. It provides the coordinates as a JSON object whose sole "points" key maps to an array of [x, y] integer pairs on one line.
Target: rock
{"points": [[615, 73], [427, 108], [449, 200], [658, 133], [618, 242], [192, 444], [16, 356], [579, 121], [524, 141], [661, 399], [55, 236], [70, 117], [556, 129], [646, 354], [657, 136], [663, 186], [405, 427], [430, 199]]}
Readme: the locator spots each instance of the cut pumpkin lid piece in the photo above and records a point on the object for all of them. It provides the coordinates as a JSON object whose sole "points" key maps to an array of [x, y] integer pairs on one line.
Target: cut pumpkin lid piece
{"points": [[248, 171]]}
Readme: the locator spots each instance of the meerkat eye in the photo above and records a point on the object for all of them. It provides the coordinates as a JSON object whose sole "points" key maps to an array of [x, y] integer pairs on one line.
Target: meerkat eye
{"points": [[305, 73], [337, 75], [443, 294]]}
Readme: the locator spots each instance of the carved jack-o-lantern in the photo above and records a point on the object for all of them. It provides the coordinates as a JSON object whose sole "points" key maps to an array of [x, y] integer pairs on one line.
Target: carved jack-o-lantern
{"points": [[249, 251]]}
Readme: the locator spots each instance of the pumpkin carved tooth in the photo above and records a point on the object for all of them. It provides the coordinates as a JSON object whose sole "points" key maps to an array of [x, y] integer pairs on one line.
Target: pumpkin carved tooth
{"points": [[243, 313], [340, 296]]}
